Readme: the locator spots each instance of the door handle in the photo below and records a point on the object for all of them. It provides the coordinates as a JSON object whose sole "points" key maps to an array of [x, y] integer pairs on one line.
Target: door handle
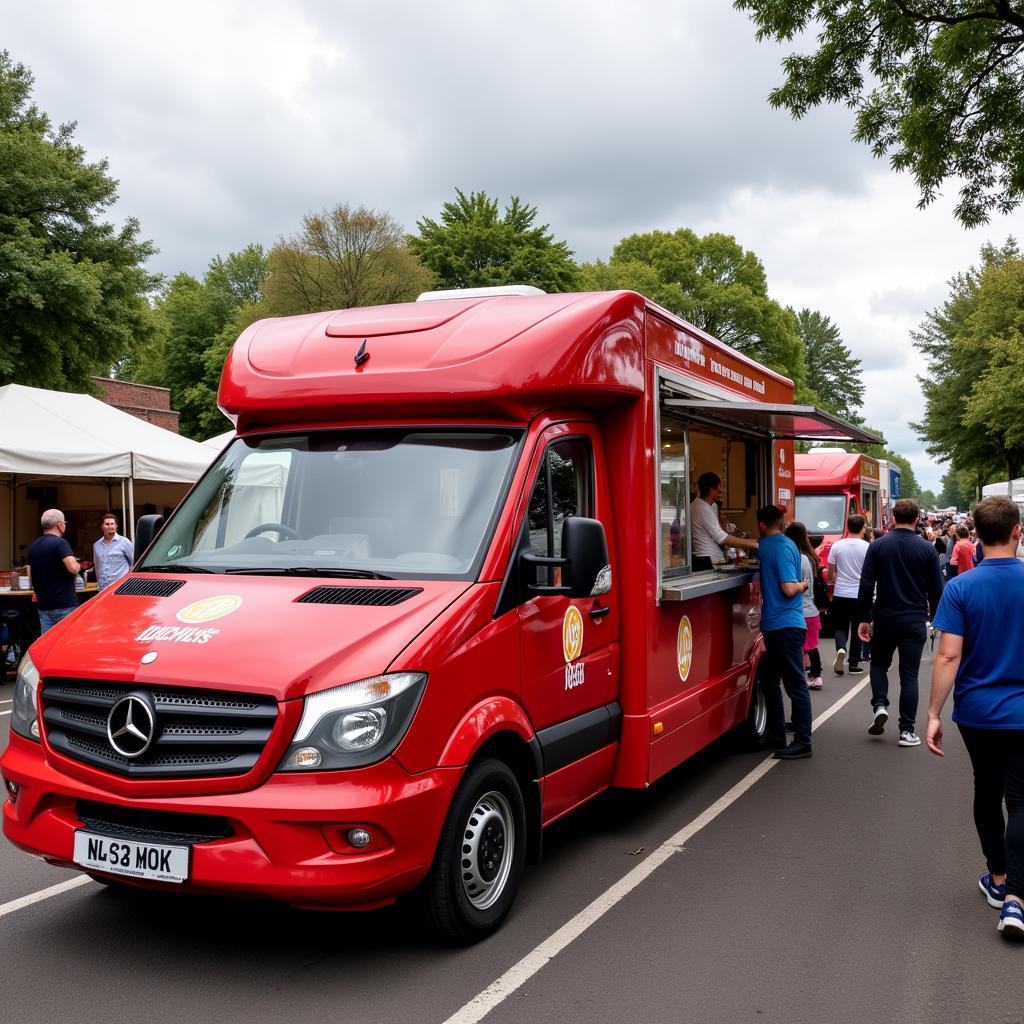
{"points": [[600, 611]]}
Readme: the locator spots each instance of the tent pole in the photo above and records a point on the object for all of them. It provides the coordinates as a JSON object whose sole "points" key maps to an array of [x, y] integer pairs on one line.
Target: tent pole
{"points": [[124, 510], [131, 499], [14, 505]]}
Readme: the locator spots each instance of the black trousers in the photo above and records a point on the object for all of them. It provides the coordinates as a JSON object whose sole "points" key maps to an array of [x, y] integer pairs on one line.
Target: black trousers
{"points": [[997, 756], [783, 662], [886, 639], [844, 621]]}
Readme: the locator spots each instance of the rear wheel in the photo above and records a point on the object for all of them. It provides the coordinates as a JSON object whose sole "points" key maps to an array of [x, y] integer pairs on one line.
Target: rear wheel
{"points": [[480, 856], [756, 726]]}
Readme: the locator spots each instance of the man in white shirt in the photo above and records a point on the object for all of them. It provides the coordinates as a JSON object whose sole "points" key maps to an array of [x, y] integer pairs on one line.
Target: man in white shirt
{"points": [[706, 532], [845, 562]]}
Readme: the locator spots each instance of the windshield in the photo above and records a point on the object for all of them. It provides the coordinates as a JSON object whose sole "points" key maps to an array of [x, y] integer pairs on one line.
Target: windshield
{"points": [[822, 513], [397, 503]]}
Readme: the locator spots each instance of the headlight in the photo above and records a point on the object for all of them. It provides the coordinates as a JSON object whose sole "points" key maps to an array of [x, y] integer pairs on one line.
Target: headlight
{"points": [[25, 711], [355, 724]]}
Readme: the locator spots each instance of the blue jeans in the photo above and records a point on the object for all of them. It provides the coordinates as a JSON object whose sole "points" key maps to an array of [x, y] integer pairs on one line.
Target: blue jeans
{"points": [[783, 661], [887, 638], [50, 618]]}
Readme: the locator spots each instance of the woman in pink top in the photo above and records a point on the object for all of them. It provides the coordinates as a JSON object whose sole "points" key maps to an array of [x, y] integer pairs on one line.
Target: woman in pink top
{"points": [[962, 558]]}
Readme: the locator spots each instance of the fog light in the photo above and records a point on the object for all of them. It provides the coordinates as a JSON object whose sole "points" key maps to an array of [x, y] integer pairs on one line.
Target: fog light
{"points": [[358, 837], [306, 757]]}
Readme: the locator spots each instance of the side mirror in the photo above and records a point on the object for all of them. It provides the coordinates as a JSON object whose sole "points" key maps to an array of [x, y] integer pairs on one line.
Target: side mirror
{"points": [[588, 572], [146, 530]]}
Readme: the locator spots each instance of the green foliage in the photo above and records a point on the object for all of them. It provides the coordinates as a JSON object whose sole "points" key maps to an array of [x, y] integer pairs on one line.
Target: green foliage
{"points": [[474, 246], [936, 85], [927, 499], [72, 288], [341, 258], [961, 342], [192, 316], [713, 283], [832, 371]]}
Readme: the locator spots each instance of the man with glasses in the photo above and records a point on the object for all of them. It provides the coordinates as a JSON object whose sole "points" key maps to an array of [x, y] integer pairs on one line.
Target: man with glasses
{"points": [[54, 568]]}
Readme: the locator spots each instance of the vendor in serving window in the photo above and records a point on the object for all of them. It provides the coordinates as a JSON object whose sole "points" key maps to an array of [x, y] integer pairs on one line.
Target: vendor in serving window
{"points": [[708, 534]]}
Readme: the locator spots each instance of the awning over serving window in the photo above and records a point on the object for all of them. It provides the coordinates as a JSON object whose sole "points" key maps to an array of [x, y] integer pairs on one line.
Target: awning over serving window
{"points": [[787, 422]]}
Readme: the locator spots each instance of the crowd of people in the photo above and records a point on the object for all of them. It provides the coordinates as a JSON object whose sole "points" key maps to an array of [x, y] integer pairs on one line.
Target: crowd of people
{"points": [[884, 593]]}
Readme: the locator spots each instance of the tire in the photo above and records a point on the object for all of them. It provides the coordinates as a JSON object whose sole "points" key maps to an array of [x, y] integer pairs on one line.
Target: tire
{"points": [[756, 725], [480, 855]]}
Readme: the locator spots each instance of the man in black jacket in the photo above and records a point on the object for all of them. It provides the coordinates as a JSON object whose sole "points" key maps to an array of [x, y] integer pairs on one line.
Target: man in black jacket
{"points": [[900, 587]]}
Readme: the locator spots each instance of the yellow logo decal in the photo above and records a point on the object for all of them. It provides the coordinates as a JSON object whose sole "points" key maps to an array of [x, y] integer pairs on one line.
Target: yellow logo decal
{"points": [[210, 608], [684, 648], [572, 633]]}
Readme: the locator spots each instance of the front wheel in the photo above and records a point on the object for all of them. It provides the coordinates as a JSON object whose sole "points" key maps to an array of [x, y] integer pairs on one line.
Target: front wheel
{"points": [[480, 855], [756, 726]]}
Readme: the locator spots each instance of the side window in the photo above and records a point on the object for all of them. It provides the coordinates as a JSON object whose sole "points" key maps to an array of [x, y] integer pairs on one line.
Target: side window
{"points": [[562, 489]]}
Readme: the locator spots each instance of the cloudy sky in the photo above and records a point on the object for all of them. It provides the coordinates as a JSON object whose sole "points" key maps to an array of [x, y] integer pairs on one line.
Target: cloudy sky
{"points": [[225, 122]]}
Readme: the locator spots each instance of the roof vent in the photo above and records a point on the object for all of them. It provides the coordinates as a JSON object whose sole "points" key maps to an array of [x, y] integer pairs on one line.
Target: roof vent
{"points": [[480, 293], [827, 450]]}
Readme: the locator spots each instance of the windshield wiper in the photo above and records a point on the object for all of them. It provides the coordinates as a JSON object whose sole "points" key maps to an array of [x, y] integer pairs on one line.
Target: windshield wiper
{"points": [[306, 570], [173, 568]]}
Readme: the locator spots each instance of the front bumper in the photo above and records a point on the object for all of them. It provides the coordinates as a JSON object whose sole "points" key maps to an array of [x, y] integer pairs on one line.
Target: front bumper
{"points": [[288, 840]]}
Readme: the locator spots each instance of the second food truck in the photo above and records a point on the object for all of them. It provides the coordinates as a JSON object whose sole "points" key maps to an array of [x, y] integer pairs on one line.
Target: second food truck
{"points": [[437, 593]]}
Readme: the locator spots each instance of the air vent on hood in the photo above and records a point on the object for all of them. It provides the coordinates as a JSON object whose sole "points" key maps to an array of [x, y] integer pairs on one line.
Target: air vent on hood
{"points": [[136, 587], [383, 597]]}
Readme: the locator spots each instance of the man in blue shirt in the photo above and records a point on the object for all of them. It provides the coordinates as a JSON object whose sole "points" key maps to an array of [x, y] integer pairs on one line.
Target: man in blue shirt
{"points": [[783, 628], [981, 658], [112, 553]]}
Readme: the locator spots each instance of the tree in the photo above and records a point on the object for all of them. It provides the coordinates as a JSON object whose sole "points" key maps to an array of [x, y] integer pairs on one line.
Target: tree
{"points": [[927, 500], [957, 360], [936, 84], [832, 371], [343, 257], [474, 246], [72, 288], [996, 330], [713, 283], [192, 316]]}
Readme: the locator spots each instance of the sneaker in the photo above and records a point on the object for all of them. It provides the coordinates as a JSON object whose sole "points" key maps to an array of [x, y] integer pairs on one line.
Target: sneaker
{"points": [[909, 739], [793, 752], [853, 668], [878, 720], [1011, 918], [995, 894], [815, 683], [838, 666]]}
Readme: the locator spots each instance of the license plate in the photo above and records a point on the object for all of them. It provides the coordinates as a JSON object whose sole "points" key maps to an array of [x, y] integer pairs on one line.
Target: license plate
{"points": [[152, 861]]}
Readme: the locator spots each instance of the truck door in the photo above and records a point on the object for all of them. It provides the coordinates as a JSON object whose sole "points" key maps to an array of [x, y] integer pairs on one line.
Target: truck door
{"points": [[570, 647]]}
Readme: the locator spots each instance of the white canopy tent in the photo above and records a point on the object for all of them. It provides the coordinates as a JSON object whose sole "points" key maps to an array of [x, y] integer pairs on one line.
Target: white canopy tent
{"points": [[59, 434], [220, 441]]}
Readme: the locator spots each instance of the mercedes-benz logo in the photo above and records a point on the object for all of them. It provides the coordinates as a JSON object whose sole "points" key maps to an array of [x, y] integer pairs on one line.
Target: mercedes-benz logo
{"points": [[131, 726]]}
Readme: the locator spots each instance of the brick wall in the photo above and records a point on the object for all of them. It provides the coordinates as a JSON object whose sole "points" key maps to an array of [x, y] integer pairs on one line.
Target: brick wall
{"points": [[140, 400]]}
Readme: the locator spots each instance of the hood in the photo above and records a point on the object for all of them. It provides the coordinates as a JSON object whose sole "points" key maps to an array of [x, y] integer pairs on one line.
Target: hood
{"points": [[243, 633]]}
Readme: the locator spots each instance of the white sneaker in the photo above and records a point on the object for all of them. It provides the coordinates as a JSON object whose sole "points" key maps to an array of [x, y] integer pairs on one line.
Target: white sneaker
{"points": [[909, 739], [839, 665], [878, 720]]}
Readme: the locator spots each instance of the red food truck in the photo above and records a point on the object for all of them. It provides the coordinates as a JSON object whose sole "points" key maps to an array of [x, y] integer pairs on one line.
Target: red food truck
{"points": [[831, 486], [436, 594]]}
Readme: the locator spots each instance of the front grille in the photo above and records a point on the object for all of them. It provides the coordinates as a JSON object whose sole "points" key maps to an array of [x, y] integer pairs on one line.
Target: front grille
{"points": [[196, 734], [383, 597], [152, 826], [137, 587]]}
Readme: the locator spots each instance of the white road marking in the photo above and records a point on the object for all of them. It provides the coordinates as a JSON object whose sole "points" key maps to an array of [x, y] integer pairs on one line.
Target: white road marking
{"points": [[6, 701], [43, 894], [498, 991], [2, 713]]}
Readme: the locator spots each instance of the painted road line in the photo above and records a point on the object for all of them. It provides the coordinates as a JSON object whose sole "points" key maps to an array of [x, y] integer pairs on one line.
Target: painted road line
{"points": [[2, 713], [43, 894], [517, 975]]}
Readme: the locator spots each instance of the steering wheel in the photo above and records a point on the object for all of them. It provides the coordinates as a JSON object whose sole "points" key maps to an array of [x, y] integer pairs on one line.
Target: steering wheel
{"points": [[280, 528]]}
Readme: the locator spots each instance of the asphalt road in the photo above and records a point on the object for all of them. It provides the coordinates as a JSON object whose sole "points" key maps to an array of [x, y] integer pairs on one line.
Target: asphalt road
{"points": [[836, 889]]}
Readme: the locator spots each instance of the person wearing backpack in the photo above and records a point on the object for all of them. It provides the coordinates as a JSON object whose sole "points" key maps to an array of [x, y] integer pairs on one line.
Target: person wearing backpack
{"points": [[814, 597]]}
